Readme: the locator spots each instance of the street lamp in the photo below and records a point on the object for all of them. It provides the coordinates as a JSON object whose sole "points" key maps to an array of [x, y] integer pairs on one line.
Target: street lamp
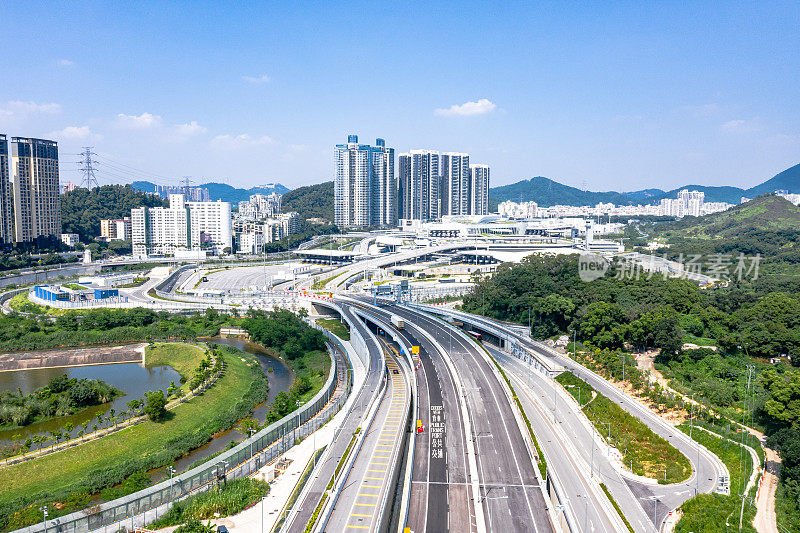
{"points": [[171, 470], [43, 509]]}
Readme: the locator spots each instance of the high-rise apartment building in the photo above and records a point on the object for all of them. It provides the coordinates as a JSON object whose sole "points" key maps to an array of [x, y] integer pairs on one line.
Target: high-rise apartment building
{"points": [[479, 189], [34, 177], [182, 226], [455, 183], [6, 204], [192, 194], [365, 185], [419, 185]]}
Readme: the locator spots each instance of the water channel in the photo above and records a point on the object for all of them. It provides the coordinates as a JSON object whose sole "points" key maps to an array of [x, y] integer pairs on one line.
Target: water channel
{"points": [[134, 380]]}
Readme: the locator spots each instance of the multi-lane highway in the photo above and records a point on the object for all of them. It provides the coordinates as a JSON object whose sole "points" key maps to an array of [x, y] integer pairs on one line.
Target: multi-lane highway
{"points": [[509, 497], [440, 495]]}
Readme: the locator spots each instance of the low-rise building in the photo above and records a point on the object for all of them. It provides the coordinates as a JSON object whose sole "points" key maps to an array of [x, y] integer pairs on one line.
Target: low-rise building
{"points": [[116, 229], [70, 239]]}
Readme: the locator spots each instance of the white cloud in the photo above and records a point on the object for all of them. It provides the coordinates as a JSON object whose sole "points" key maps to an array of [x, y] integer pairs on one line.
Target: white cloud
{"points": [[467, 109], [190, 129], [75, 133], [256, 80], [66, 63], [240, 141], [18, 108], [742, 126], [145, 120]]}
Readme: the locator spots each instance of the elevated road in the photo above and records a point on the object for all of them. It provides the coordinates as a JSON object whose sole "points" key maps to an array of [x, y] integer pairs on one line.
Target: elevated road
{"points": [[440, 496], [509, 497], [362, 504], [317, 485]]}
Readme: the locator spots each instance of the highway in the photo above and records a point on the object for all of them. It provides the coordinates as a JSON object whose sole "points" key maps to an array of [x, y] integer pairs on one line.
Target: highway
{"points": [[370, 481], [508, 489], [649, 497], [440, 498], [317, 485]]}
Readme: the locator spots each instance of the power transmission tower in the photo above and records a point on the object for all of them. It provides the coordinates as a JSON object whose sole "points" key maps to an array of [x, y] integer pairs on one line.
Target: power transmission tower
{"points": [[186, 185], [87, 168]]}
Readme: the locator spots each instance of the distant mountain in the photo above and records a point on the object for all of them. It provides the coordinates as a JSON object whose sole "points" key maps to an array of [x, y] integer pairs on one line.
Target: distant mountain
{"points": [[547, 192], [221, 191], [312, 201], [788, 180], [644, 196]]}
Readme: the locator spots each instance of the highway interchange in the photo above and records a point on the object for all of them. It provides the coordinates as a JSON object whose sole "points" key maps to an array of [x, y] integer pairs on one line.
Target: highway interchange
{"points": [[473, 467]]}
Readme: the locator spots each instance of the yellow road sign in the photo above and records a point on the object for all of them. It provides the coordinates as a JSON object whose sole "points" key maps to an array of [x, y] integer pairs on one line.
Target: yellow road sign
{"points": [[415, 349]]}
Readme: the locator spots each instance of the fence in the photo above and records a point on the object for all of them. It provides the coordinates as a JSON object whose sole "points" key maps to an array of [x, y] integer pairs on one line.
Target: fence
{"points": [[242, 460]]}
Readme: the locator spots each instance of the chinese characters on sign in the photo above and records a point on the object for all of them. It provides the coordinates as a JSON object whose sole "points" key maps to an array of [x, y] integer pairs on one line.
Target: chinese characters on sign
{"points": [[437, 432]]}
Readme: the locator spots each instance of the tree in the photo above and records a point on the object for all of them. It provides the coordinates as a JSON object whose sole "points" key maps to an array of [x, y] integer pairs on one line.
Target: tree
{"points": [[783, 405], [155, 405], [603, 325]]}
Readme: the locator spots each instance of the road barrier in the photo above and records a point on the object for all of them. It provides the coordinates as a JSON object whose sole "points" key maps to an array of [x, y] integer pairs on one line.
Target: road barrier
{"points": [[138, 509]]}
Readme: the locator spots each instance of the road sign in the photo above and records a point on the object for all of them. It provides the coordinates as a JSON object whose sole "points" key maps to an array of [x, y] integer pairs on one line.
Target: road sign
{"points": [[415, 349]]}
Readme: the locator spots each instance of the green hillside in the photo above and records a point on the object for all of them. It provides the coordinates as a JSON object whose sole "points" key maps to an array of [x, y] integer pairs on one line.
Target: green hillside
{"points": [[311, 201], [767, 226], [83, 209], [763, 214]]}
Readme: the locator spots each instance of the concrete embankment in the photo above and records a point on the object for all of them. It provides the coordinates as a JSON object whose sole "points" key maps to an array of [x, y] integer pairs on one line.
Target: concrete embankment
{"points": [[99, 355]]}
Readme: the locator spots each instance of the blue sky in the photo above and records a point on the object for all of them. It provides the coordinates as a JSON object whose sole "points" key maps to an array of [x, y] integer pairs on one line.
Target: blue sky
{"points": [[620, 96]]}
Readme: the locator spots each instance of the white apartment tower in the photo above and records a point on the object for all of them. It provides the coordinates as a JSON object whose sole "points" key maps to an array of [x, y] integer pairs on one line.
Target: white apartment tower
{"points": [[455, 183], [419, 185], [181, 226], [365, 185], [479, 189], [35, 189]]}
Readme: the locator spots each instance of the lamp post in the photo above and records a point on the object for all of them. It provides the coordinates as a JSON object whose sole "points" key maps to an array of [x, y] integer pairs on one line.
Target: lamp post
{"points": [[252, 432], [171, 470], [43, 509]]}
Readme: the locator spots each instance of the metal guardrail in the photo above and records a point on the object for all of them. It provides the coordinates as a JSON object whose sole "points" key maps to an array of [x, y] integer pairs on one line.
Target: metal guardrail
{"points": [[242, 460]]}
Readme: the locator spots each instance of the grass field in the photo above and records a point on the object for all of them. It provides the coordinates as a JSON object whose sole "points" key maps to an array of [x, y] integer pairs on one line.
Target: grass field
{"points": [[715, 512], [72, 466], [336, 327], [183, 358], [22, 303], [650, 455], [314, 365]]}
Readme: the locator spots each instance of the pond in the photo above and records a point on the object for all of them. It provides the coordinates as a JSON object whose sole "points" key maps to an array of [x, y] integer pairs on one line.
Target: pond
{"points": [[131, 378], [134, 380]]}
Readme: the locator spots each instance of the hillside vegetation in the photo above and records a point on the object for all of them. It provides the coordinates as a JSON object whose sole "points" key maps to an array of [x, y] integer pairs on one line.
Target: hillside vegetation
{"points": [[768, 226], [83, 209], [311, 201]]}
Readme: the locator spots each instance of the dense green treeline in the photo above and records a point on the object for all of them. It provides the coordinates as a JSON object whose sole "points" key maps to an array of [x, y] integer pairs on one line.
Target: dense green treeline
{"points": [[83, 209], [105, 326]]}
